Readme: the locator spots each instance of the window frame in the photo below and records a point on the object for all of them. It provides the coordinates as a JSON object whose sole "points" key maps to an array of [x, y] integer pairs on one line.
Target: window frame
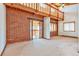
{"points": [[69, 30]]}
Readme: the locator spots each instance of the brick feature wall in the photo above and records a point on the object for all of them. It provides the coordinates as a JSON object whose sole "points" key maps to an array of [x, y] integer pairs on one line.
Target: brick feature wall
{"points": [[18, 25]]}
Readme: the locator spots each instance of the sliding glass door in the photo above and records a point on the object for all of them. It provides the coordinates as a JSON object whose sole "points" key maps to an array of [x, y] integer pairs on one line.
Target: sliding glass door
{"points": [[35, 29], [54, 28]]}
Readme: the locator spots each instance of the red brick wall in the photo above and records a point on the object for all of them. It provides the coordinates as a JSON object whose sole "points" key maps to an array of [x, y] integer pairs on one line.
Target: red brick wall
{"points": [[18, 25]]}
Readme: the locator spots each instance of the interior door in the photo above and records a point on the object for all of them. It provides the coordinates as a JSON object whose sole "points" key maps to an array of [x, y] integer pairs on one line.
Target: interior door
{"points": [[54, 29]]}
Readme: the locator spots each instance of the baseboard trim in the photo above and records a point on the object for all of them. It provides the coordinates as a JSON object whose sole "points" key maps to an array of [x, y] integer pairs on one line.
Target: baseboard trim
{"points": [[16, 41], [46, 39], [3, 50], [68, 36]]}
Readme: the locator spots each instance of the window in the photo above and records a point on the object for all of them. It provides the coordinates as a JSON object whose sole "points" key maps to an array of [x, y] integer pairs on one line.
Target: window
{"points": [[69, 26], [53, 27]]}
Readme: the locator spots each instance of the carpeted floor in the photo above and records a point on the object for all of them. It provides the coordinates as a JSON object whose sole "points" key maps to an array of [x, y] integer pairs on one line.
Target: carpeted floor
{"points": [[57, 46]]}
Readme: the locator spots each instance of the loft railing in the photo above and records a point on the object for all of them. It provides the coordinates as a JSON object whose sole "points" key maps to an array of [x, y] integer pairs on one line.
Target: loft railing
{"points": [[43, 8], [29, 5], [61, 15], [54, 12]]}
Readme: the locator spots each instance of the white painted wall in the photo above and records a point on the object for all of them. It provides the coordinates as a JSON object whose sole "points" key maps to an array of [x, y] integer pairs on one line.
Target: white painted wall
{"points": [[47, 27], [70, 14], [2, 27], [78, 19]]}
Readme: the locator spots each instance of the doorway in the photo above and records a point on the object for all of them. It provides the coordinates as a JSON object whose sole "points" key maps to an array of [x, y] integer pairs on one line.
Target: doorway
{"points": [[54, 29], [35, 29]]}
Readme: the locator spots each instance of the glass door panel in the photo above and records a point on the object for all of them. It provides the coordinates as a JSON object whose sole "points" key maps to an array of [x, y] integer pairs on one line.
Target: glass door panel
{"points": [[35, 29]]}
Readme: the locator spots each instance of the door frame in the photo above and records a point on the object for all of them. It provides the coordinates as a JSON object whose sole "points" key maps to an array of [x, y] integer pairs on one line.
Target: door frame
{"points": [[34, 19], [56, 28]]}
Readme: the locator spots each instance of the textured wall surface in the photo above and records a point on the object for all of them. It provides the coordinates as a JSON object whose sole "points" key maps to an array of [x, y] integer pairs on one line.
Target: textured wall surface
{"points": [[18, 25], [70, 15], [2, 27]]}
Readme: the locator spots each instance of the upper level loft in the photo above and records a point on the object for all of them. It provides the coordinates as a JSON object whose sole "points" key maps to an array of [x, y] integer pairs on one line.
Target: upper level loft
{"points": [[43, 9]]}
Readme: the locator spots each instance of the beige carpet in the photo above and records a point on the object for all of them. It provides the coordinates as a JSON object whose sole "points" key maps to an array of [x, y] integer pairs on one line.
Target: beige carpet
{"points": [[57, 46]]}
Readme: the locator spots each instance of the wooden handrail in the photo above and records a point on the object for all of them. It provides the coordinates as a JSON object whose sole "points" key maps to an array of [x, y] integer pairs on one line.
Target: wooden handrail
{"points": [[54, 7], [38, 8]]}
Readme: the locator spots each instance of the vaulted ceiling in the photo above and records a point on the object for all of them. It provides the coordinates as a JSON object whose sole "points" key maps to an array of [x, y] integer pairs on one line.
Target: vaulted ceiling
{"points": [[64, 4]]}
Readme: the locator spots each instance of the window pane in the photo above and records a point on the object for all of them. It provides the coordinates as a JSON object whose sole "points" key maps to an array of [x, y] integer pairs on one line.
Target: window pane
{"points": [[54, 27], [71, 26], [51, 26], [35, 25], [66, 27]]}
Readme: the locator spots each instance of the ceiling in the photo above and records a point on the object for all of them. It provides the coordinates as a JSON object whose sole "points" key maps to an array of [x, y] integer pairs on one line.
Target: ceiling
{"points": [[63, 4]]}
